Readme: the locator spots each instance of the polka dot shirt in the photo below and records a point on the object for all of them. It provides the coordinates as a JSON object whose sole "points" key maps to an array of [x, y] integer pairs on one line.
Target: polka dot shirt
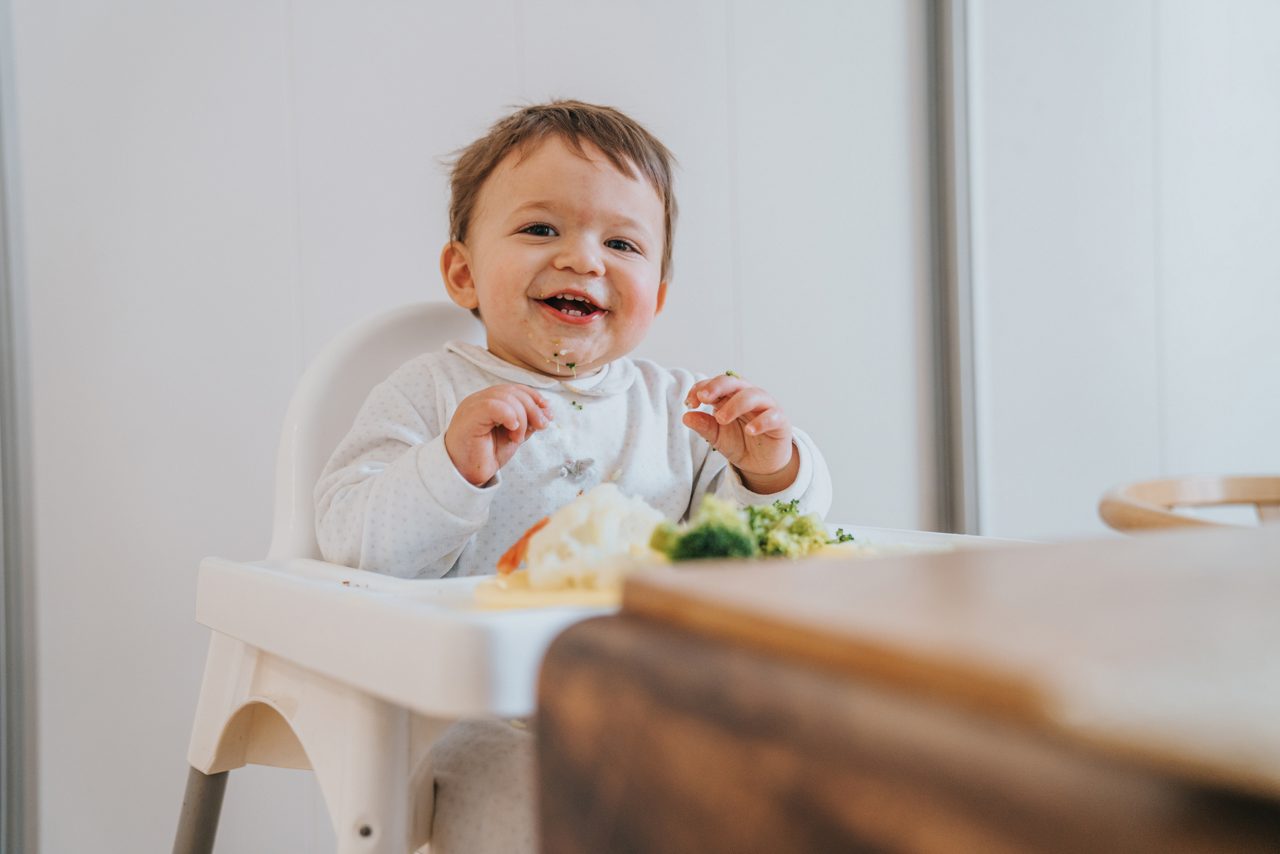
{"points": [[391, 501]]}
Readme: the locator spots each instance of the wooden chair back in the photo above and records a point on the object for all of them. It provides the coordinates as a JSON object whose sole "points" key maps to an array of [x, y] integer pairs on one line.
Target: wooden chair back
{"points": [[1150, 504]]}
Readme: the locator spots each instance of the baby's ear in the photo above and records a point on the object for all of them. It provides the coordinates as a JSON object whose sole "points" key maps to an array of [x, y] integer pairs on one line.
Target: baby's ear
{"points": [[662, 298], [455, 268]]}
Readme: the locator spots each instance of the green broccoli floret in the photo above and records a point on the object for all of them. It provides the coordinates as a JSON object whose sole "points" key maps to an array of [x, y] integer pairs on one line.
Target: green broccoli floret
{"points": [[717, 511], [781, 530], [717, 529], [841, 537], [664, 538], [795, 536], [720, 528], [711, 541], [763, 518]]}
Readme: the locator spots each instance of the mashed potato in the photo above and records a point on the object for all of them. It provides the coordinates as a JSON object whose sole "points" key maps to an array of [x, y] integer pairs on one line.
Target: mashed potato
{"points": [[592, 541]]}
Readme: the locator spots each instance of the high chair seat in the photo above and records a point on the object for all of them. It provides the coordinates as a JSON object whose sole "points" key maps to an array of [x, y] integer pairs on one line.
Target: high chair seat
{"points": [[322, 667], [1152, 504]]}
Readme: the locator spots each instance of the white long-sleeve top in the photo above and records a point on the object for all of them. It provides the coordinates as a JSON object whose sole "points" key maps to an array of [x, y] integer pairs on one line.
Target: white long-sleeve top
{"points": [[391, 501]]}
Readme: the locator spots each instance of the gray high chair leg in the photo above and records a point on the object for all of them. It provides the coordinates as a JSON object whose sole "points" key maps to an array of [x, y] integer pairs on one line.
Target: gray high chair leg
{"points": [[198, 821]]}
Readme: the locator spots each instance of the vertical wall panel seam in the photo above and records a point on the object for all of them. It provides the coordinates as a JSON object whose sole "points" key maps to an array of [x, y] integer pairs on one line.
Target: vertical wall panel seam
{"points": [[952, 302], [966, 384], [944, 511], [295, 172], [735, 247], [974, 105], [318, 811], [19, 769], [522, 53], [315, 802], [1157, 249]]}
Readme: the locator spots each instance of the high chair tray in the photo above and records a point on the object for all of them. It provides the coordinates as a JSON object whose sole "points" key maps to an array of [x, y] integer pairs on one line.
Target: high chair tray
{"points": [[422, 644]]}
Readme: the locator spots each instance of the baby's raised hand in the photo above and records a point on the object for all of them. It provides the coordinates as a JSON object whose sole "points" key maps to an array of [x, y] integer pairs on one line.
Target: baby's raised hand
{"points": [[490, 425], [748, 427]]}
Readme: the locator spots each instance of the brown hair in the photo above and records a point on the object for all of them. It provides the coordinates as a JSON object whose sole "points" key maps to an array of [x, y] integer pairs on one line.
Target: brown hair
{"points": [[621, 139]]}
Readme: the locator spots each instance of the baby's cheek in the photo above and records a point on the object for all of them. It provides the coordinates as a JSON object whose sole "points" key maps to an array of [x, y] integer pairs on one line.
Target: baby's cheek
{"points": [[636, 324]]}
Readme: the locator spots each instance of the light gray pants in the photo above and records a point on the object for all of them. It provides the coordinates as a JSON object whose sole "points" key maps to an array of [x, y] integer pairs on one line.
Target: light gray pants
{"points": [[485, 790]]}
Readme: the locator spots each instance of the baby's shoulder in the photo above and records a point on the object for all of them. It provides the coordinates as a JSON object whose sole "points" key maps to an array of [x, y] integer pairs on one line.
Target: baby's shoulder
{"points": [[425, 375]]}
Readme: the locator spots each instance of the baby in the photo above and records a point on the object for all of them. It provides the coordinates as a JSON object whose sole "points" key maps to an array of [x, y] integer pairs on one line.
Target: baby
{"points": [[561, 222], [561, 225]]}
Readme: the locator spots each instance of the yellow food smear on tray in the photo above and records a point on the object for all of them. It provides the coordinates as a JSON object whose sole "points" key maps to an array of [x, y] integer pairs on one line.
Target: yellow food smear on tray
{"points": [[515, 591]]}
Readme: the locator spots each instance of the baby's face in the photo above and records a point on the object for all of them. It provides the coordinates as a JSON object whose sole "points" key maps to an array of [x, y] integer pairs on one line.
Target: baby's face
{"points": [[563, 259]]}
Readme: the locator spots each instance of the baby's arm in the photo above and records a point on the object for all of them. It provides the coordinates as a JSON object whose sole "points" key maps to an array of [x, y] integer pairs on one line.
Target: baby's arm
{"points": [[390, 500], [402, 497]]}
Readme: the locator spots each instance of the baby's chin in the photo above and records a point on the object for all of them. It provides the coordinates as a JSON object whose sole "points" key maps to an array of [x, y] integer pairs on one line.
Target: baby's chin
{"points": [[568, 356]]}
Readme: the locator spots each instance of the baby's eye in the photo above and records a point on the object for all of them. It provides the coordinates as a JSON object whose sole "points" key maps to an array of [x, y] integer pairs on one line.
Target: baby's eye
{"points": [[621, 245], [539, 229]]}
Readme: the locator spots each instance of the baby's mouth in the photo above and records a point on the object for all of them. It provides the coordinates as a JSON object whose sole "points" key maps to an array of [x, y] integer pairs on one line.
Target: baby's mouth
{"points": [[572, 305]]}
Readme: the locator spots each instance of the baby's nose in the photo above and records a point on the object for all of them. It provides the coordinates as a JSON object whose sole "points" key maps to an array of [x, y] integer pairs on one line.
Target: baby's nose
{"points": [[582, 257]]}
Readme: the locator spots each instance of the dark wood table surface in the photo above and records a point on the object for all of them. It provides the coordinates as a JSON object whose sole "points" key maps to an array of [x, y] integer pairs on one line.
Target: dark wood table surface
{"points": [[1116, 695]]}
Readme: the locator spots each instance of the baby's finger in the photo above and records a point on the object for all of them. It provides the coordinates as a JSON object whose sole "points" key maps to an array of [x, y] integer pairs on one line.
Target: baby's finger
{"points": [[713, 389], [745, 402], [703, 424], [521, 432], [771, 422], [539, 400], [537, 411], [523, 391], [500, 412]]}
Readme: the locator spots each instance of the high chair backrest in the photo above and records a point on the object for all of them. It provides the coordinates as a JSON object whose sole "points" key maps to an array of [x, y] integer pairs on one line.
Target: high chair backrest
{"points": [[329, 395]]}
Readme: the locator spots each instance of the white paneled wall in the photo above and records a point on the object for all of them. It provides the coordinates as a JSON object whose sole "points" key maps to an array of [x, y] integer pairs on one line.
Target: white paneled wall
{"points": [[829, 220], [1126, 207], [1218, 152], [157, 211], [211, 191], [1064, 273]]}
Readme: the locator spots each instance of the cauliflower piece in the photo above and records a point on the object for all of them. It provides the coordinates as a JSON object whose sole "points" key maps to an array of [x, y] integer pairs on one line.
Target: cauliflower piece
{"points": [[593, 541]]}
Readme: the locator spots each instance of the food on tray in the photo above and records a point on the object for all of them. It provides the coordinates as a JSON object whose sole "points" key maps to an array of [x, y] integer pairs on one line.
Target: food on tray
{"points": [[591, 541], [586, 546], [579, 554], [720, 529], [717, 529]]}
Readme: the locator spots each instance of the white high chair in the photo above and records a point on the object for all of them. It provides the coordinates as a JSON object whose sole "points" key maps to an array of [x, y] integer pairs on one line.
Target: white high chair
{"points": [[318, 666]]}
